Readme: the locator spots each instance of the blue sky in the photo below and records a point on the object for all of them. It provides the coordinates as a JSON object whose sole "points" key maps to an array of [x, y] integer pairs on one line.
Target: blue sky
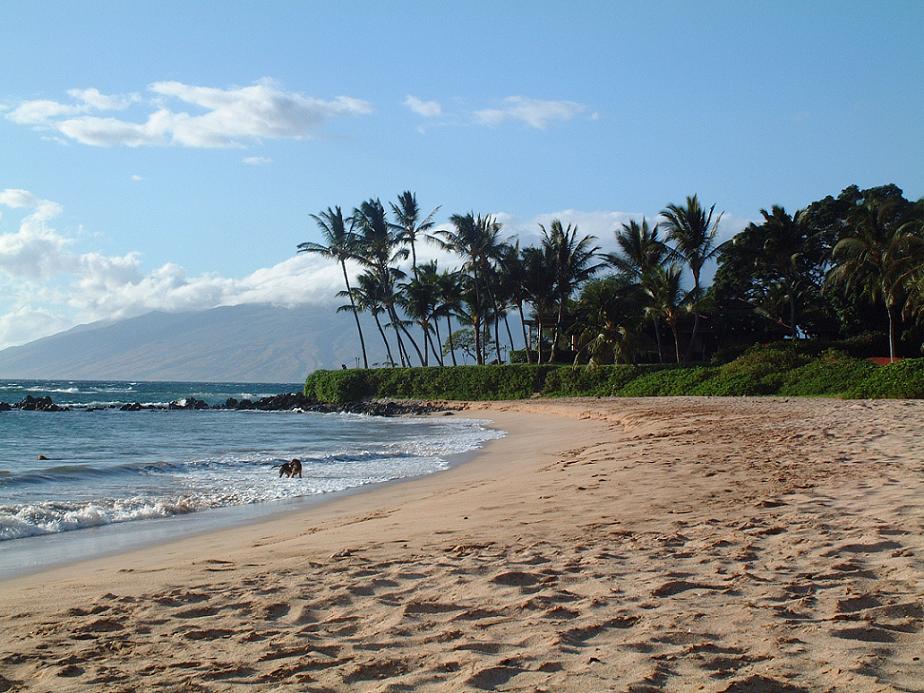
{"points": [[177, 148]]}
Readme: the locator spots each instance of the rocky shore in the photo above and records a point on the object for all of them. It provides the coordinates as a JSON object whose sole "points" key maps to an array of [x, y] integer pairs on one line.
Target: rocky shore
{"points": [[289, 401]]}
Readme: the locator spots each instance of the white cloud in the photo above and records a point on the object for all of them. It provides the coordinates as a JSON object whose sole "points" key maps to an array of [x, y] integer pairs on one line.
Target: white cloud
{"points": [[256, 160], [136, 178], [427, 109], [103, 102], [533, 112], [43, 111], [190, 116]]}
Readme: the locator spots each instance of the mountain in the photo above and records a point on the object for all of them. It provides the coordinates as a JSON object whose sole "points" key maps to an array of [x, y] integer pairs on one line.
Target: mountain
{"points": [[250, 343]]}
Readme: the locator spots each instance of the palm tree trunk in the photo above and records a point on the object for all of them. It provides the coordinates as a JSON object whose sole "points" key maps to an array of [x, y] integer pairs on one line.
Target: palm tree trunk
{"points": [[538, 339], [558, 321], [378, 324], [529, 356], [497, 337], [676, 341], [476, 321], [362, 342], [426, 342], [433, 349], [689, 353], [439, 341], [509, 333], [414, 259], [792, 312], [657, 329], [402, 350], [452, 348], [891, 333], [413, 344]]}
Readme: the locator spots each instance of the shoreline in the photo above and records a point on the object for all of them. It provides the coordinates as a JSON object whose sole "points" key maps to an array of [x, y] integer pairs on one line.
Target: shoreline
{"points": [[718, 544], [142, 535]]}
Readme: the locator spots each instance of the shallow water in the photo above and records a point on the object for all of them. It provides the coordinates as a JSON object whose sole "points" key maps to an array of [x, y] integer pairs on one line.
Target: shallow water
{"points": [[108, 467]]}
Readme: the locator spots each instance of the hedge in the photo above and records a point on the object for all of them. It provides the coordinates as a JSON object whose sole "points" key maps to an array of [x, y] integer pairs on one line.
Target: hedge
{"points": [[777, 370]]}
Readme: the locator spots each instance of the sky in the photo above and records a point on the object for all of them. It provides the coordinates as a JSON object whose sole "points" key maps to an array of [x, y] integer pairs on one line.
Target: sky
{"points": [[165, 156]]}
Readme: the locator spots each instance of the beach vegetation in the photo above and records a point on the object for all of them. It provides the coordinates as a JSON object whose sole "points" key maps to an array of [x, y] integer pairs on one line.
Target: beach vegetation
{"points": [[844, 273]]}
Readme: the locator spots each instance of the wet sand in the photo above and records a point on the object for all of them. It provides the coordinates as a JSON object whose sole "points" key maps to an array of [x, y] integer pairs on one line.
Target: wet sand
{"points": [[676, 543]]}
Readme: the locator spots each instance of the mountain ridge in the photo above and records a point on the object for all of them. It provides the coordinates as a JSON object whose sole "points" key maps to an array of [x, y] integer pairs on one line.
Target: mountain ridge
{"points": [[245, 343]]}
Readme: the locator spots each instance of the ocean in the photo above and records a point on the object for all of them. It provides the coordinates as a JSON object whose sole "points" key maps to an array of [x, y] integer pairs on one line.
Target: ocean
{"points": [[143, 472]]}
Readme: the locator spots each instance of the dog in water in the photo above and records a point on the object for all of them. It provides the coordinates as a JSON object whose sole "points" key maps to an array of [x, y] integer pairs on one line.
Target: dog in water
{"points": [[290, 469]]}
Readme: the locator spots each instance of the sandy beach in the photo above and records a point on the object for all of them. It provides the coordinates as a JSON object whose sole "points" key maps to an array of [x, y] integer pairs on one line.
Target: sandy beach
{"points": [[681, 544]]}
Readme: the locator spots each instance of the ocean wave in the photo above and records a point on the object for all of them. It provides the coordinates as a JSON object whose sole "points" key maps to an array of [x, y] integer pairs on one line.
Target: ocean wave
{"points": [[60, 390], [259, 464], [50, 518]]}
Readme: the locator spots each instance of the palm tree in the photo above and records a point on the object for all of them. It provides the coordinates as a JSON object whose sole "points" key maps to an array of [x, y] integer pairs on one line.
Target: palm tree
{"points": [[450, 303], [379, 247], [514, 273], [476, 240], [572, 260], [784, 253], [341, 246], [419, 299], [874, 257], [369, 297], [640, 249], [665, 290], [409, 225], [539, 287], [692, 230], [640, 252]]}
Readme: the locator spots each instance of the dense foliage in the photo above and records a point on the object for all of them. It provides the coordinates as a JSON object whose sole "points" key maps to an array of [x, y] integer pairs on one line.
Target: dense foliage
{"points": [[845, 272], [779, 370]]}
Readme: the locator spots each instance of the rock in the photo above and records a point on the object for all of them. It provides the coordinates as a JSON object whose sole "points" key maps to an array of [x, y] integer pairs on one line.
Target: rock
{"points": [[31, 403], [41, 457], [5, 407], [134, 406], [188, 403]]}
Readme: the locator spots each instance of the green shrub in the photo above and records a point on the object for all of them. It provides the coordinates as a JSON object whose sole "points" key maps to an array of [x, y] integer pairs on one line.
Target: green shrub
{"points": [[779, 369], [758, 371], [587, 381], [904, 379], [668, 381], [832, 373]]}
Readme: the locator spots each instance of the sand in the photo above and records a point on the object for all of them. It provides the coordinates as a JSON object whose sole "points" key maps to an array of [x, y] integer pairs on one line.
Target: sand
{"points": [[680, 544]]}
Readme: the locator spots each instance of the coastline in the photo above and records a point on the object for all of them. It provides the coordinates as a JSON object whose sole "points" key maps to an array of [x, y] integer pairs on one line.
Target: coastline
{"points": [[674, 542], [65, 549]]}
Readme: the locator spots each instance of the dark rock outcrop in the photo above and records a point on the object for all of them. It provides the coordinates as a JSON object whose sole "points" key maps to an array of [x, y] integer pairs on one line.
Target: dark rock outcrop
{"points": [[31, 403], [5, 406], [188, 403]]}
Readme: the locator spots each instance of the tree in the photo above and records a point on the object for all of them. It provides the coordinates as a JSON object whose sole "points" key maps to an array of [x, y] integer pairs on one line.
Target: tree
{"points": [[341, 246], [369, 297], [777, 267], [610, 312], [512, 274], [539, 287], [692, 230], [573, 262], [419, 299], [379, 247], [476, 239], [874, 259], [409, 225], [665, 291], [641, 251], [450, 303]]}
